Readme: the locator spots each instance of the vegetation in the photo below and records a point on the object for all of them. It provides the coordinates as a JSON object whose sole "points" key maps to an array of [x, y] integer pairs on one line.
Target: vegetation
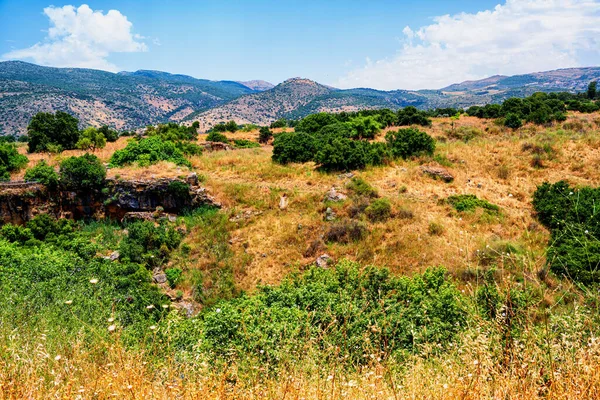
{"points": [[47, 129], [409, 142], [91, 139], [470, 203], [148, 151], [215, 136], [10, 160], [264, 135], [44, 174], [245, 144], [82, 173]]}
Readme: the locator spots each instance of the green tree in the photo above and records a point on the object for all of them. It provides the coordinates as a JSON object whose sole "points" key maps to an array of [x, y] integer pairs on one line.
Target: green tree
{"points": [[91, 139], [232, 127], [42, 173], [294, 147], [10, 160], [110, 134], [592, 89], [409, 142], [59, 129], [366, 127], [513, 121], [82, 173]]}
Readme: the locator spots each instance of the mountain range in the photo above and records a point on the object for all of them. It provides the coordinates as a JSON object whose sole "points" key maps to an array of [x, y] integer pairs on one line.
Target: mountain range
{"points": [[129, 100]]}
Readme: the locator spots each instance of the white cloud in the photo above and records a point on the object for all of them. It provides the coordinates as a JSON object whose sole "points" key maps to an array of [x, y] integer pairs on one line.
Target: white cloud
{"points": [[82, 37], [520, 36]]}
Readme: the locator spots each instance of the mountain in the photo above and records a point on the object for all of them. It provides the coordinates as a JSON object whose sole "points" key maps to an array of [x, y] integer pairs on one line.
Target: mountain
{"points": [[124, 100], [129, 100], [257, 85]]}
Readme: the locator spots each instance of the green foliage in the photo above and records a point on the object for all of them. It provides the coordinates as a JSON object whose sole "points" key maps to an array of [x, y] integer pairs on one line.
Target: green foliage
{"points": [[513, 121], [42, 173], [346, 231], [148, 151], [58, 129], [245, 144], [215, 136], [365, 127], [173, 276], [280, 123], [294, 147], [109, 134], [91, 139], [470, 202], [314, 122], [230, 126], [10, 160], [592, 90], [82, 173], [149, 244], [358, 312], [411, 116], [379, 210], [362, 188], [179, 189], [16, 233], [337, 153], [173, 132], [409, 142], [264, 135]]}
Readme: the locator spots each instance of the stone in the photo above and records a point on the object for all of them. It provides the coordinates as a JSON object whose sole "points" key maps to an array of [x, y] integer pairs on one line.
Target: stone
{"points": [[330, 215], [283, 202], [160, 278], [334, 195], [114, 256], [347, 175], [323, 261], [192, 179], [437, 173]]}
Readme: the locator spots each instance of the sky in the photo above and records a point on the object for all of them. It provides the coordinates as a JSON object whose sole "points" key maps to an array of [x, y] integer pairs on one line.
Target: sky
{"points": [[382, 44]]}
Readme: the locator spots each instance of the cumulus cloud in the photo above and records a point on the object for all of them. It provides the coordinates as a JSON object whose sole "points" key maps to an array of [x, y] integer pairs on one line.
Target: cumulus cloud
{"points": [[82, 37], [517, 37]]}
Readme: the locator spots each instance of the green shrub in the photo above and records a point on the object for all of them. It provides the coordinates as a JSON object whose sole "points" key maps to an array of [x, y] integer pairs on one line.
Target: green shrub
{"points": [[409, 142], [379, 210], [216, 137], [110, 134], [337, 153], [91, 139], [470, 202], [314, 122], [10, 160], [173, 276], [264, 135], [16, 233], [411, 116], [365, 127], [346, 312], [574, 253], [280, 123], [179, 189], [42, 173], [513, 121], [149, 244], [82, 173], [436, 229], [245, 144], [360, 187], [48, 131], [294, 147], [148, 151]]}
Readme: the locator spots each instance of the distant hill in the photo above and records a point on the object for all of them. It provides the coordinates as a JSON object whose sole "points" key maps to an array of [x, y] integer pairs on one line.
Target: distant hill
{"points": [[125, 100], [257, 85], [129, 100]]}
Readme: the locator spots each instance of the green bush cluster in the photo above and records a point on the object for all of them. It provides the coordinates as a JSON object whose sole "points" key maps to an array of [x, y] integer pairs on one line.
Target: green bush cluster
{"points": [[215, 136], [148, 151], [149, 244], [82, 173], [10, 160], [572, 216], [470, 202], [230, 126], [379, 210], [351, 315], [245, 144], [173, 132], [264, 135], [409, 142]]}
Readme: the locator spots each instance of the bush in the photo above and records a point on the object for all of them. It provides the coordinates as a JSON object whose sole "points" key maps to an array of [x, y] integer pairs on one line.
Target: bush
{"points": [[513, 121], [179, 189], [360, 187], [91, 139], [314, 122], [16, 233], [470, 202], [173, 276], [82, 173], [574, 253], [44, 174], [110, 134], [411, 116], [379, 210], [148, 151], [336, 153], [216, 137], [280, 123], [347, 312], [410, 142], [346, 231], [294, 147], [149, 244], [264, 135], [10, 160], [365, 127]]}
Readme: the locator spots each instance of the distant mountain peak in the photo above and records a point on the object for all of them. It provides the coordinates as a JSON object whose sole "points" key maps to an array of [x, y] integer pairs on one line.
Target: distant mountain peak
{"points": [[257, 85]]}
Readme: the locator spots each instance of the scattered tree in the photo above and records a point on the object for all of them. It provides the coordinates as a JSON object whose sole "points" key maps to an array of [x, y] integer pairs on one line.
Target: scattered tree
{"points": [[59, 129]]}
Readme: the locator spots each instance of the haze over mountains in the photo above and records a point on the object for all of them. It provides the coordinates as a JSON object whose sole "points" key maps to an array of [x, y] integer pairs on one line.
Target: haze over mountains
{"points": [[129, 100]]}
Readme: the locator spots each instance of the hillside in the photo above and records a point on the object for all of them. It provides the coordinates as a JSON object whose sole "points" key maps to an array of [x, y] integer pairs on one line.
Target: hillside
{"points": [[129, 100], [126, 100]]}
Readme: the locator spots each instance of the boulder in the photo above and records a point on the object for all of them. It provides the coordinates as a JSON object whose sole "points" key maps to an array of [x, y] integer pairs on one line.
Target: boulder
{"points": [[334, 195], [330, 215], [437, 173], [323, 261]]}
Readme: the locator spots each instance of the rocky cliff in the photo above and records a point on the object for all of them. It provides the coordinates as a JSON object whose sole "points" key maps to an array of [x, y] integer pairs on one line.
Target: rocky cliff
{"points": [[21, 201]]}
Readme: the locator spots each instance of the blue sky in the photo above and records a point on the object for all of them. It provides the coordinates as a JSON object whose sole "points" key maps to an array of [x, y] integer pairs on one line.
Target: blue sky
{"points": [[382, 44]]}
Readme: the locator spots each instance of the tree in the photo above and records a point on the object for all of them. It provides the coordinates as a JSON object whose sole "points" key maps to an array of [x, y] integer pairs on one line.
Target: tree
{"points": [[512, 121], [409, 142], [264, 135], [91, 139], [232, 127], [314, 122], [10, 160], [59, 129], [82, 173], [110, 134], [280, 123], [216, 137], [592, 90], [42, 173], [366, 127], [294, 147]]}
